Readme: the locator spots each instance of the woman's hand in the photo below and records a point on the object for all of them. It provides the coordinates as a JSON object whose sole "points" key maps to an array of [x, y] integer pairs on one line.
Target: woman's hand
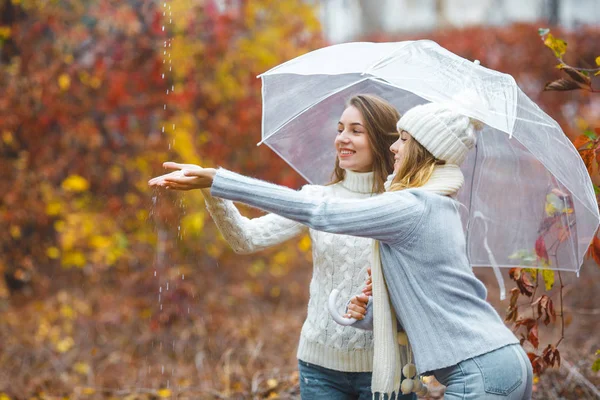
{"points": [[357, 307], [368, 289], [184, 177]]}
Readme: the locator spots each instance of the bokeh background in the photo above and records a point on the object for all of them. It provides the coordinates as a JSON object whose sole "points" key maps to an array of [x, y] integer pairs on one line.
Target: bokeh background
{"points": [[109, 289]]}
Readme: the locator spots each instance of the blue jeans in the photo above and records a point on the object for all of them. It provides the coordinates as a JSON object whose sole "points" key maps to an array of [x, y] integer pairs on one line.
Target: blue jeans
{"points": [[502, 374], [318, 383]]}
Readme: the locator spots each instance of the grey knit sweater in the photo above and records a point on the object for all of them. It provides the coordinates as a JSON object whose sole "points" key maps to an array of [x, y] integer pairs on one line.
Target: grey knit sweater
{"points": [[436, 297]]}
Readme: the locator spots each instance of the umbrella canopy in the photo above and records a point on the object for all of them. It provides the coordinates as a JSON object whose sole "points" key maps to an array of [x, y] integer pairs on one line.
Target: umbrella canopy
{"points": [[529, 199]]}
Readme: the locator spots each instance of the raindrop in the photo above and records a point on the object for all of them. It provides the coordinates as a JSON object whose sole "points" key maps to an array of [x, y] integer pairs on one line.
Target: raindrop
{"points": [[163, 28], [154, 272], [167, 91], [167, 285], [163, 76], [161, 307], [160, 289], [173, 126], [162, 369], [165, 107], [182, 277]]}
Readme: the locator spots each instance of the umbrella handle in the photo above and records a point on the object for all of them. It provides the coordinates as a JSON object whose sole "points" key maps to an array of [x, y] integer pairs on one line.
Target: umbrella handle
{"points": [[334, 314]]}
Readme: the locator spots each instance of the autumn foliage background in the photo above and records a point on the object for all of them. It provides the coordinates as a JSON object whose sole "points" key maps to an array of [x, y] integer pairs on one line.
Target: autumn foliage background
{"points": [[109, 289]]}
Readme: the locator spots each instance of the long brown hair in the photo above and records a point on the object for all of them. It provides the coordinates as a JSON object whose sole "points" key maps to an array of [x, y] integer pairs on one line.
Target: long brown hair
{"points": [[416, 168], [380, 119]]}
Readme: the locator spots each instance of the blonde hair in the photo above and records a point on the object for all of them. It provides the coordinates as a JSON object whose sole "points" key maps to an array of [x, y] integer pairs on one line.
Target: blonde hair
{"points": [[416, 168]]}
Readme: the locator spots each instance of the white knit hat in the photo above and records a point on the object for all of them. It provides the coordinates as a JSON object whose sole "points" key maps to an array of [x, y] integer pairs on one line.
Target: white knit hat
{"points": [[447, 134]]}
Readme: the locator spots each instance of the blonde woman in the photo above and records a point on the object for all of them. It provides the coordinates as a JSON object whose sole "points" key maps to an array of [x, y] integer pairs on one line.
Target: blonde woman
{"points": [[335, 362], [454, 333]]}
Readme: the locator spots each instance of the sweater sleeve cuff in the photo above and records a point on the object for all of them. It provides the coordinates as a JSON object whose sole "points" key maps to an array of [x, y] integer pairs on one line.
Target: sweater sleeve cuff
{"points": [[366, 324]]}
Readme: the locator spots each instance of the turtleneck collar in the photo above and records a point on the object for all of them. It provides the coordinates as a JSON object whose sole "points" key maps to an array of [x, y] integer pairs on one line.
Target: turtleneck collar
{"points": [[360, 182]]}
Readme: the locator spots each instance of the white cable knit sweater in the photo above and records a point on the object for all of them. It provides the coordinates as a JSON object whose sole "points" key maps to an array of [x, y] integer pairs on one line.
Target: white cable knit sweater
{"points": [[340, 262]]}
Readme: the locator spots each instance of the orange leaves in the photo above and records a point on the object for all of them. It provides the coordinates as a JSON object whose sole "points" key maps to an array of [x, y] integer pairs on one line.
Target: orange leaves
{"points": [[579, 78], [594, 250], [523, 283], [545, 309]]}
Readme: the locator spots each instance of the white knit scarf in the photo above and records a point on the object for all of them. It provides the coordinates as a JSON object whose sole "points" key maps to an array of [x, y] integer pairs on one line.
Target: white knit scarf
{"points": [[389, 358]]}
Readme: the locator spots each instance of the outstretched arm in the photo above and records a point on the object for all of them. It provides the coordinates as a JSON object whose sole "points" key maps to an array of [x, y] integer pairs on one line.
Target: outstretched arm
{"points": [[389, 217], [244, 235]]}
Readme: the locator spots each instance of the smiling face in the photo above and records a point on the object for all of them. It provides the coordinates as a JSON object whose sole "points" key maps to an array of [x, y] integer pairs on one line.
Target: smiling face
{"points": [[398, 149], [352, 142]]}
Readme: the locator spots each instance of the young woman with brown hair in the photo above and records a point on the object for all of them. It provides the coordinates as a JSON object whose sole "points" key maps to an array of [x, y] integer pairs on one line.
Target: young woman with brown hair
{"points": [[335, 362]]}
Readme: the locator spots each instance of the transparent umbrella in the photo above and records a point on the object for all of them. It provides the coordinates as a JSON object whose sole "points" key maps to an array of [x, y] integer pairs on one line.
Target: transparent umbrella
{"points": [[528, 197]]}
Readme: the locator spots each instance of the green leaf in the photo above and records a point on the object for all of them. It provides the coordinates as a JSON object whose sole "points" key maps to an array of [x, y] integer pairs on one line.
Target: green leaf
{"points": [[548, 275], [596, 189], [591, 135], [596, 365], [544, 32]]}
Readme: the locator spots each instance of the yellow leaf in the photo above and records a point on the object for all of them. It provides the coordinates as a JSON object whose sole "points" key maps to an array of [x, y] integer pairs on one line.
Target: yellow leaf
{"points": [[4, 396], [65, 345], [550, 209], [7, 137], [88, 390], [305, 243], [100, 242], [68, 59], [64, 82], [74, 259], [558, 46], [53, 208], [81, 368], [95, 82], [5, 32], [15, 231], [548, 275], [273, 395], [164, 393], [598, 61], [67, 311], [75, 183], [53, 252], [281, 257]]}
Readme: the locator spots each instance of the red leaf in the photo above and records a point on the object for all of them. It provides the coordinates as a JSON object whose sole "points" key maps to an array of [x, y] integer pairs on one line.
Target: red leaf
{"points": [[540, 249], [594, 250], [533, 337]]}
